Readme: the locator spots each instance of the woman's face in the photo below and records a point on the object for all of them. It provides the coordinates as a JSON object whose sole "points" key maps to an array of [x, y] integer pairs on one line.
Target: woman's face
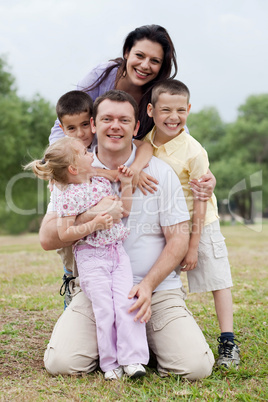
{"points": [[144, 62]]}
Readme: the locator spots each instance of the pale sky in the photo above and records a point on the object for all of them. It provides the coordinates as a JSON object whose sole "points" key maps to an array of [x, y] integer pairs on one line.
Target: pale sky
{"points": [[221, 45]]}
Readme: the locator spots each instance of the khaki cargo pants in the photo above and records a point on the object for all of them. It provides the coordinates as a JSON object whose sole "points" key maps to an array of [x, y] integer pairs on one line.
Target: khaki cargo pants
{"points": [[173, 336]]}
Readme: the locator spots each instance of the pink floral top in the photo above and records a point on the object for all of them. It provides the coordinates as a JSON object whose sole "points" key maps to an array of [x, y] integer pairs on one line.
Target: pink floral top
{"points": [[78, 198]]}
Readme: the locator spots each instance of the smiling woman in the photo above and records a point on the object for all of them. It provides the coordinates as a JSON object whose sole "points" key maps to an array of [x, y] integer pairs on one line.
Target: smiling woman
{"points": [[148, 56], [144, 61]]}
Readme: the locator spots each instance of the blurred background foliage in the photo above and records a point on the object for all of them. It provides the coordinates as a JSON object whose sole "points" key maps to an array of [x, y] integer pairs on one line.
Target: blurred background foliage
{"points": [[24, 129], [236, 151]]}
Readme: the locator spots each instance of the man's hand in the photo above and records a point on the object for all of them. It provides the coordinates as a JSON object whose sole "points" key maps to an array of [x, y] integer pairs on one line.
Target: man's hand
{"points": [[112, 206], [204, 187], [143, 302]]}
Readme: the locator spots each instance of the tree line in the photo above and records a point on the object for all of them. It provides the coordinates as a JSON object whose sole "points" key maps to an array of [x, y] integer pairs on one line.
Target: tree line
{"points": [[238, 154]]}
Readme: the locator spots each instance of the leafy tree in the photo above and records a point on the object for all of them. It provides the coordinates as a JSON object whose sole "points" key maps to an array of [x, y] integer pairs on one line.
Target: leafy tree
{"points": [[244, 151], [234, 183], [248, 136], [25, 125], [207, 128], [236, 151], [7, 81]]}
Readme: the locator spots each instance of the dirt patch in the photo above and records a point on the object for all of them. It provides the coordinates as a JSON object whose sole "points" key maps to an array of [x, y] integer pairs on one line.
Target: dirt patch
{"points": [[23, 239], [24, 336], [26, 272]]}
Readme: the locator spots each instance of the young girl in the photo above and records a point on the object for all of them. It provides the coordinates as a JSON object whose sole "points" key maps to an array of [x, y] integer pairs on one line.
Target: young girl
{"points": [[103, 265]]}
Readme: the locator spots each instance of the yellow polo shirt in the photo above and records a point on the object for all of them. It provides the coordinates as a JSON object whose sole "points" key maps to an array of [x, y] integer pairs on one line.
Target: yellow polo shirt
{"points": [[189, 160]]}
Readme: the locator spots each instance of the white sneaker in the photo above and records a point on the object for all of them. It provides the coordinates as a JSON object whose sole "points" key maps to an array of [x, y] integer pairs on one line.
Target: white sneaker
{"points": [[135, 370], [114, 374]]}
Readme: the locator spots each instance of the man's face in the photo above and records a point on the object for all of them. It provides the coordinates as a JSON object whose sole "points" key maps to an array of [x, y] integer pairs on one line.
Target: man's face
{"points": [[115, 126]]}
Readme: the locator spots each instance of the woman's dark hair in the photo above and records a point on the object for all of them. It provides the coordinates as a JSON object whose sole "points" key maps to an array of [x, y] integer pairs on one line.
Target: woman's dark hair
{"points": [[154, 33]]}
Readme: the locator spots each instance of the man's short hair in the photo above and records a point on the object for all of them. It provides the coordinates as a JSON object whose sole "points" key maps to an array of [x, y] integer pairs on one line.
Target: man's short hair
{"points": [[170, 86], [74, 102], [116, 96]]}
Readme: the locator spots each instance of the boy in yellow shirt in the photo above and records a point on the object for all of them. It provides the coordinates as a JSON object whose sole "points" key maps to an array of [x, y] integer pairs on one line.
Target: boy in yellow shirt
{"points": [[206, 261]]}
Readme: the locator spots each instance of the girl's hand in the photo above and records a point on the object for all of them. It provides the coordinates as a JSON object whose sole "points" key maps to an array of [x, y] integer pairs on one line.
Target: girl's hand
{"points": [[125, 174], [103, 221], [147, 183]]}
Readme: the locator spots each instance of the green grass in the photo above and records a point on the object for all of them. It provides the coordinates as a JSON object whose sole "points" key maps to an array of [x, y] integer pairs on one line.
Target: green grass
{"points": [[30, 305]]}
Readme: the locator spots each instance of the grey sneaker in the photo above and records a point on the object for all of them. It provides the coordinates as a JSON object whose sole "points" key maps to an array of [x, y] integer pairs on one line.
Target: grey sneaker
{"points": [[229, 354]]}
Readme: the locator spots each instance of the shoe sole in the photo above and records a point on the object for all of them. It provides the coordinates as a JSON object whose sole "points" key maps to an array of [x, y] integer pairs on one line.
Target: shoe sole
{"points": [[112, 379], [226, 366], [137, 374]]}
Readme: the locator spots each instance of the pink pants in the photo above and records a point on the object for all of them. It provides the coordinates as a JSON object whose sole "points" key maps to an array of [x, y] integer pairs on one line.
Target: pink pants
{"points": [[106, 278]]}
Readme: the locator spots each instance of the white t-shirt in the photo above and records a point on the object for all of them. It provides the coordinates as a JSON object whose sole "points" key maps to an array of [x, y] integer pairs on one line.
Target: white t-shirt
{"points": [[166, 207]]}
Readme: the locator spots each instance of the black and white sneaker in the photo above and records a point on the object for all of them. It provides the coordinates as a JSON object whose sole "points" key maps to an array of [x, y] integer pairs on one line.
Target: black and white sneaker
{"points": [[229, 354], [134, 370], [65, 290]]}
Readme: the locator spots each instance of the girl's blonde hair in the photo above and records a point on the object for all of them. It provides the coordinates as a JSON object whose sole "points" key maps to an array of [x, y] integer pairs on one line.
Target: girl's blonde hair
{"points": [[56, 160]]}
